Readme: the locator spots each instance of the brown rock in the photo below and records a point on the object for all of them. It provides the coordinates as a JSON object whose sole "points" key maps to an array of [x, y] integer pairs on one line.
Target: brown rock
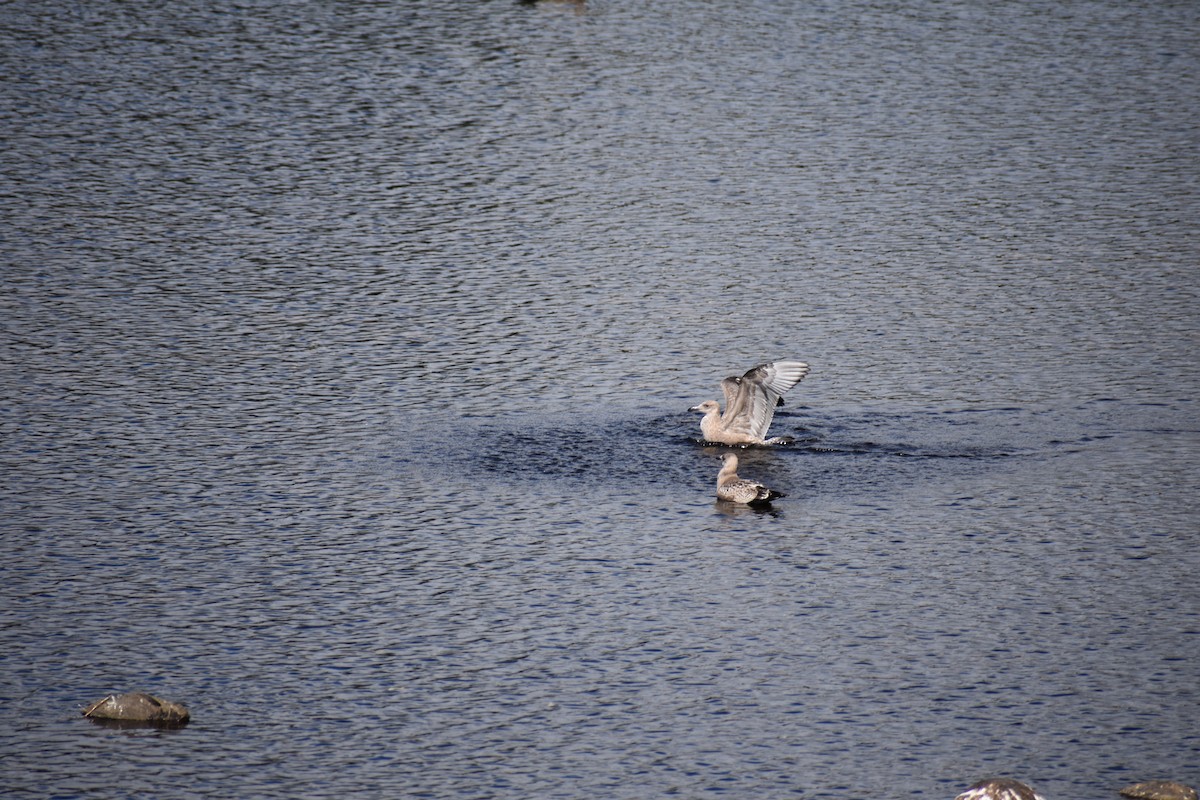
{"points": [[1159, 790], [137, 708]]}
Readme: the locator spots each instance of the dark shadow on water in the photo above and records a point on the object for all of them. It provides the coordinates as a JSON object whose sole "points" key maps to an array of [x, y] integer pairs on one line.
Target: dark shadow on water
{"points": [[645, 451], [832, 453]]}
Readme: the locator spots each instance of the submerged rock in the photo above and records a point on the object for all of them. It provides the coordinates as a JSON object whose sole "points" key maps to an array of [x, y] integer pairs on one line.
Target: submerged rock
{"points": [[137, 708], [1159, 790]]}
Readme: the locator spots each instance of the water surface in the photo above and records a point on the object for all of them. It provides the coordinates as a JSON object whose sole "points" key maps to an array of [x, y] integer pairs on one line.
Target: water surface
{"points": [[346, 353]]}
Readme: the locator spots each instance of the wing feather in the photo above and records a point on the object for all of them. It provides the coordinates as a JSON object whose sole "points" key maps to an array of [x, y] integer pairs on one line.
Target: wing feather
{"points": [[750, 400], [730, 387]]}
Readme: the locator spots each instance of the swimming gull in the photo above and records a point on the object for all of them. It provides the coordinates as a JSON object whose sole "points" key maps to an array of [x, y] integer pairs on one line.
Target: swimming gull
{"points": [[739, 490], [999, 789], [750, 404]]}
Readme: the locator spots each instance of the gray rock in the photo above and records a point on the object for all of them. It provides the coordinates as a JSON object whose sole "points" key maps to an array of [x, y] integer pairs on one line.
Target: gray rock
{"points": [[1159, 790], [999, 789], [137, 708]]}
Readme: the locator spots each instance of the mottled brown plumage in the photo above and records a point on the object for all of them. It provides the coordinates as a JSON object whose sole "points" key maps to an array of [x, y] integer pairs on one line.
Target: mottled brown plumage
{"points": [[739, 490]]}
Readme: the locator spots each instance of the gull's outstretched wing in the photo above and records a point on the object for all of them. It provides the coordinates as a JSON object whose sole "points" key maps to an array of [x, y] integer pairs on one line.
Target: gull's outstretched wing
{"points": [[751, 399], [730, 387]]}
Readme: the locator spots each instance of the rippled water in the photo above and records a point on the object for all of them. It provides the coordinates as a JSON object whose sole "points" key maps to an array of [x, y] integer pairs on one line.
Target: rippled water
{"points": [[346, 353]]}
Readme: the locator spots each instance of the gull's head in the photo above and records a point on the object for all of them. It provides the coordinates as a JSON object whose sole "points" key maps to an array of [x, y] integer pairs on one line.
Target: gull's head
{"points": [[707, 407], [729, 460]]}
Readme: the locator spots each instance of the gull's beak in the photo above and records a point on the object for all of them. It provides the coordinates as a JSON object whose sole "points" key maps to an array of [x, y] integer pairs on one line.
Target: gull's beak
{"points": [[694, 408]]}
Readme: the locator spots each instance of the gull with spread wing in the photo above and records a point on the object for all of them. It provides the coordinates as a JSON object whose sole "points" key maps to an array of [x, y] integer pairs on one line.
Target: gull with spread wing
{"points": [[750, 404]]}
